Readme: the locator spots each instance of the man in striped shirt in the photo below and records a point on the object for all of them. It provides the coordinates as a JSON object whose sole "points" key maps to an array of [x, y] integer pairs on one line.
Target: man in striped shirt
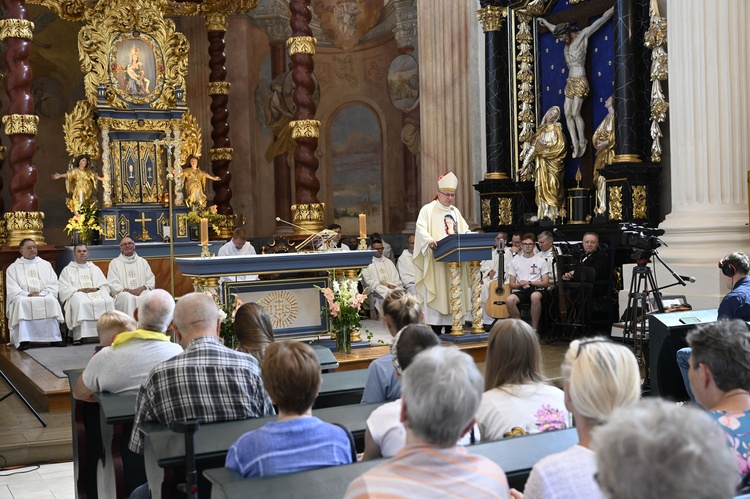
{"points": [[440, 394]]}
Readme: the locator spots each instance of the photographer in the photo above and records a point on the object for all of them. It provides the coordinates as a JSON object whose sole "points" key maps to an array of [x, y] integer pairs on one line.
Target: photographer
{"points": [[592, 256]]}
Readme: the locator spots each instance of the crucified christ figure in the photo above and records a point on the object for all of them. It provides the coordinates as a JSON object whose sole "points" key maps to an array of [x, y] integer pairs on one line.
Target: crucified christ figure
{"points": [[576, 86]]}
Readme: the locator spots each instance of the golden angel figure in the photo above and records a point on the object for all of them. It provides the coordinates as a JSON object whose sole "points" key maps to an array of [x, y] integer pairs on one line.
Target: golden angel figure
{"points": [[80, 182], [194, 180]]}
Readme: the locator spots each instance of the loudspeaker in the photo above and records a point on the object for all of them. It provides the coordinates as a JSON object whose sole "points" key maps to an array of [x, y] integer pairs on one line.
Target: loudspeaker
{"points": [[727, 268], [667, 334]]}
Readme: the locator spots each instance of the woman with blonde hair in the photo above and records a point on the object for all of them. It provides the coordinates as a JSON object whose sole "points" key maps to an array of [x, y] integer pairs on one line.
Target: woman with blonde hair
{"points": [[399, 310], [252, 325], [600, 376], [517, 399]]}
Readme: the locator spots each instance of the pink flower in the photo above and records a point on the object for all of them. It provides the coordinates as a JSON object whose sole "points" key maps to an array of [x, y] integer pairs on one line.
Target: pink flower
{"points": [[731, 420], [335, 310]]}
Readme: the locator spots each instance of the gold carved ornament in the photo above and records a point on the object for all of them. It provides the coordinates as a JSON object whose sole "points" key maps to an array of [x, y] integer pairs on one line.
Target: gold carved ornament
{"points": [[656, 40], [109, 227], [134, 125], [492, 17], [107, 26], [301, 45], [486, 213], [640, 209], [24, 224], [216, 21], [526, 117], [16, 28], [308, 216], [282, 306], [305, 129], [615, 202], [219, 88], [190, 136], [21, 124], [505, 211], [221, 154], [81, 131]]}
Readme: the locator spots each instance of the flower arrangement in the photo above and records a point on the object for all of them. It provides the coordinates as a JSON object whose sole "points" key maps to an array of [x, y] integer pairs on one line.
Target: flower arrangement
{"points": [[227, 311], [343, 304], [85, 221], [211, 213]]}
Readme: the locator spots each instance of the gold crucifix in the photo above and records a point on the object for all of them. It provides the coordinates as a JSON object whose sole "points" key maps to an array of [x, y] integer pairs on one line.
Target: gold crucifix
{"points": [[145, 236]]}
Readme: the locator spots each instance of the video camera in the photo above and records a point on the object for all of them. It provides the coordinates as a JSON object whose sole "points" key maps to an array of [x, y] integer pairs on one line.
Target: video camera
{"points": [[639, 237]]}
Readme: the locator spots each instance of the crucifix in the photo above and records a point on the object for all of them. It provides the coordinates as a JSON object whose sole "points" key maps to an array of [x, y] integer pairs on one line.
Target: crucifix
{"points": [[145, 236]]}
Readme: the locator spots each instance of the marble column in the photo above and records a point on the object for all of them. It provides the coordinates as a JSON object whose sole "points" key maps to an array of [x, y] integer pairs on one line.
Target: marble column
{"points": [[709, 81], [626, 82], [445, 105]]}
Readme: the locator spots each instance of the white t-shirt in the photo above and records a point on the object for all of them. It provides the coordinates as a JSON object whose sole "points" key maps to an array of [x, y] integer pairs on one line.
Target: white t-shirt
{"points": [[534, 407], [565, 475], [528, 269]]}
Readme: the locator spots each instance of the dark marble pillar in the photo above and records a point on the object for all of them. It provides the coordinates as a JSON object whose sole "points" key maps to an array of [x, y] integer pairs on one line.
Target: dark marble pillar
{"points": [[627, 84]]}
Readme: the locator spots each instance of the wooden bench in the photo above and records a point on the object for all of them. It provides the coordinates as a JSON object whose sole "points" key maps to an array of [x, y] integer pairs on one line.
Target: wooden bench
{"points": [[164, 450], [344, 388], [87, 440], [515, 455]]}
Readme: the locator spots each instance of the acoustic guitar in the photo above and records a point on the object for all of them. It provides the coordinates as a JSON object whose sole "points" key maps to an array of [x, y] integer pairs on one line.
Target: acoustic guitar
{"points": [[495, 306]]}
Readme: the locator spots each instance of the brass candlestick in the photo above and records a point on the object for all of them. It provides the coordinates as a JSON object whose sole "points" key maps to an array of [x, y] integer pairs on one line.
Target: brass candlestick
{"points": [[362, 243], [204, 251]]}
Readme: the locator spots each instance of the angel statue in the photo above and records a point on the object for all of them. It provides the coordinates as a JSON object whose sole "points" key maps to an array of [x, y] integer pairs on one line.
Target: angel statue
{"points": [[80, 182], [194, 180]]}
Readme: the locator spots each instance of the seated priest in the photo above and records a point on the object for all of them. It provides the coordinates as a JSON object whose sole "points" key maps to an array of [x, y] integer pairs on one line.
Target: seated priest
{"points": [[33, 311], [238, 246], [380, 277], [84, 293], [405, 266], [130, 278]]}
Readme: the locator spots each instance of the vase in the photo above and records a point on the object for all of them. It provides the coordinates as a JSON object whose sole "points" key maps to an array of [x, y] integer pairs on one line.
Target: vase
{"points": [[79, 237], [344, 339]]}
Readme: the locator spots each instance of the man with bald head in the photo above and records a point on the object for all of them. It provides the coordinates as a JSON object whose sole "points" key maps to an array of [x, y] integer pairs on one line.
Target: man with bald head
{"points": [[130, 278], [208, 381]]}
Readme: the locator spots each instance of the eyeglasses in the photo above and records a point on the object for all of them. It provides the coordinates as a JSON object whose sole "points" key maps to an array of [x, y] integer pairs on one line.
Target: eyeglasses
{"points": [[449, 194], [527, 244], [590, 342], [127, 244]]}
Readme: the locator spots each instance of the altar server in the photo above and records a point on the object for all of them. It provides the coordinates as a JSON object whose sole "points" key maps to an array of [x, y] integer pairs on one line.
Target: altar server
{"points": [[238, 246], [130, 278]]}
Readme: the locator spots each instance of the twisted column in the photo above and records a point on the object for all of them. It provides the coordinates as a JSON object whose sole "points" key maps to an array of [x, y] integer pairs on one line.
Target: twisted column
{"points": [[308, 211], [218, 89], [23, 219]]}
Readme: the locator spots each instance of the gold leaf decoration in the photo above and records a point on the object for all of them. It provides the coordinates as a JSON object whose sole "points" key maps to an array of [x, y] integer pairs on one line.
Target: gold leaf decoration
{"points": [[81, 132]]}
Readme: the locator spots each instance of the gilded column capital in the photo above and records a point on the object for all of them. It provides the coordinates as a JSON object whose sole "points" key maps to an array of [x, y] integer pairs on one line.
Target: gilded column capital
{"points": [[301, 45], [216, 21], [221, 154], [24, 224], [308, 216], [16, 28], [219, 88], [21, 124], [305, 129], [492, 17]]}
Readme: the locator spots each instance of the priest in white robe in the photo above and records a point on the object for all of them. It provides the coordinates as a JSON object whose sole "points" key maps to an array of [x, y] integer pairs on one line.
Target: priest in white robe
{"points": [[33, 312], [84, 293], [238, 246], [405, 266], [380, 277], [438, 219], [130, 278]]}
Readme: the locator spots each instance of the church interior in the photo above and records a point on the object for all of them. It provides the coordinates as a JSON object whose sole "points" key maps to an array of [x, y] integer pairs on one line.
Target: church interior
{"points": [[146, 119]]}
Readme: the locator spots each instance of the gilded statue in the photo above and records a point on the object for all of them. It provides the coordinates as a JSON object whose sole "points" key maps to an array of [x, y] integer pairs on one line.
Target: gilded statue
{"points": [[547, 152], [194, 180], [576, 86], [278, 117], [604, 143], [80, 182]]}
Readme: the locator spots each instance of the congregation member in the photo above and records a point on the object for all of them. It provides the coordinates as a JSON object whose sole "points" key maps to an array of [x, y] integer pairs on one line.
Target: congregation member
{"points": [[516, 244], [405, 266], [207, 381], [599, 377], [384, 433], [110, 324], [352, 242], [130, 278], [297, 441], [254, 330], [517, 398], [720, 379], [238, 246], [442, 389], [546, 242], [656, 449], [735, 268], [383, 385], [387, 249], [592, 256], [33, 312], [380, 277], [438, 219], [529, 278], [84, 294], [124, 365]]}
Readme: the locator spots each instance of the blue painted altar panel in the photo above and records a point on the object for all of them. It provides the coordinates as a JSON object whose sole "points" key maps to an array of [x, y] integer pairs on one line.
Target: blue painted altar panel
{"points": [[465, 248], [131, 220]]}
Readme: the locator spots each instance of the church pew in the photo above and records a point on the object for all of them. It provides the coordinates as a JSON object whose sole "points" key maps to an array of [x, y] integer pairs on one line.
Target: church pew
{"points": [[87, 441], [515, 455], [164, 450], [342, 388]]}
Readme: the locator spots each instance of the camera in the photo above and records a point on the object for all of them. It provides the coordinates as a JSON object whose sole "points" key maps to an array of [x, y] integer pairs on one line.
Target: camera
{"points": [[639, 237]]}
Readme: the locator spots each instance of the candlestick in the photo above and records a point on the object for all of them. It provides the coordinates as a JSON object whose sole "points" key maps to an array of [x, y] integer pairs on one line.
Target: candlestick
{"points": [[362, 225], [204, 231]]}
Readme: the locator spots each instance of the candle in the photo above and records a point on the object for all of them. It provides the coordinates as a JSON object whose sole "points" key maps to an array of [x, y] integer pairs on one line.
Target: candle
{"points": [[362, 225], [204, 231]]}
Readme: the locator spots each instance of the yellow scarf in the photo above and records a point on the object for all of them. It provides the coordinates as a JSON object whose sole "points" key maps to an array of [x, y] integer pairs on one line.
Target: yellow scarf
{"points": [[140, 334]]}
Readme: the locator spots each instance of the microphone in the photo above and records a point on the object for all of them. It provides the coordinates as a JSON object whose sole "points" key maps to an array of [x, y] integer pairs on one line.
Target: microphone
{"points": [[687, 278], [325, 234]]}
